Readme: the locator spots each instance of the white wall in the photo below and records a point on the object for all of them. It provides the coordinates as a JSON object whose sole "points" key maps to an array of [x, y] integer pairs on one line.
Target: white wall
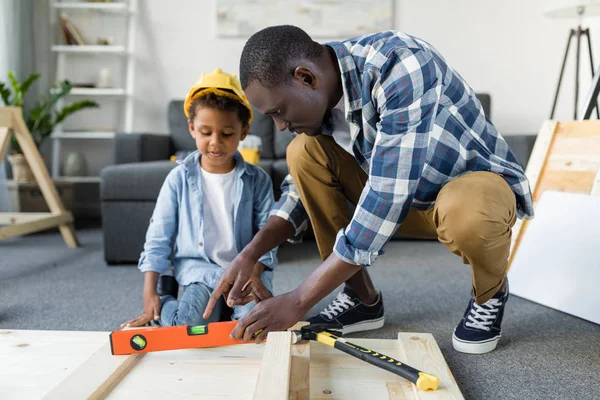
{"points": [[506, 48]]}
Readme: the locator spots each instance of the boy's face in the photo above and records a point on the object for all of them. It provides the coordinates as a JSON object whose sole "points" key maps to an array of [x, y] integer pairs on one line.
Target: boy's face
{"points": [[217, 134], [297, 106]]}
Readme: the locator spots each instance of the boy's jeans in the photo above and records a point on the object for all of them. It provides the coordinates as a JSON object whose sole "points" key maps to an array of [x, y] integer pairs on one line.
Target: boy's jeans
{"points": [[189, 308]]}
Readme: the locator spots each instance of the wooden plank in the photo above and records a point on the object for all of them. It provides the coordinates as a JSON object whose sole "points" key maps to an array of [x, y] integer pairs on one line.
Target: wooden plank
{"points": [[38, 167], [335, 375], [6, 116], [300, 368], [596, 186], [539, 154], [566, 158], [228, 372], [566, 181], [18, 218], [36, 225], [587, 128], [535, 166], [422, 352], [96, 378], [274, 377], [5, 135], [33, 362]]}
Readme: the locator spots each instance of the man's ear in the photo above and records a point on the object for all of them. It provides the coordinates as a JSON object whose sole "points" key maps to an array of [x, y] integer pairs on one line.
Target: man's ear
{"points": [[305, 76], [191, 128]]}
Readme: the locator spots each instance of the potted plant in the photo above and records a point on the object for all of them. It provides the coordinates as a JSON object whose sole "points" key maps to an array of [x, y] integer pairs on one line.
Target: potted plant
{"points": [[40, 119]]}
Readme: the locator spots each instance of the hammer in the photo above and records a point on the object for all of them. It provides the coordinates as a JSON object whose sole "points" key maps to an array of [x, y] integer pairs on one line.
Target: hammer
{"points": [[328, 334]]}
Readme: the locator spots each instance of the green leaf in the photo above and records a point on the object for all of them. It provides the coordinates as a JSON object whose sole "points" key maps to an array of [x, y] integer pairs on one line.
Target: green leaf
{"points": [[14, 144], [74, 107], [45, 128], [5, 93], [42, 117], [30, 79], [18, 92], [46, 104]]}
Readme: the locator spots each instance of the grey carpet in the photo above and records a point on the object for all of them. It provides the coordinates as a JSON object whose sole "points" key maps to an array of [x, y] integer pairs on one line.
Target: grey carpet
{"points": [[544, 354]]}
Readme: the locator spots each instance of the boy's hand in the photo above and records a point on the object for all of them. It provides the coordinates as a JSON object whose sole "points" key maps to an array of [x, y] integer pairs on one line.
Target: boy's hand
{"points": [[255, 288], [151, 311]]}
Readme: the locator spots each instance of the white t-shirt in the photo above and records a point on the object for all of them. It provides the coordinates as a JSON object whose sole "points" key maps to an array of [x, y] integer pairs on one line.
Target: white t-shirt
{"points": [[218, 192], [341, 127]]}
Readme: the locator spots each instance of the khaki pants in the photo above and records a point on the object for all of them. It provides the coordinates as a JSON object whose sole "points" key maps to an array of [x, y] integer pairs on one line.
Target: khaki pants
{"points": [[473, 214]]}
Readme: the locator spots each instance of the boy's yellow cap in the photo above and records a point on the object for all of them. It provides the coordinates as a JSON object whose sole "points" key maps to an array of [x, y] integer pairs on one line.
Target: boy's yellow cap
{"points": [[211, 83]]}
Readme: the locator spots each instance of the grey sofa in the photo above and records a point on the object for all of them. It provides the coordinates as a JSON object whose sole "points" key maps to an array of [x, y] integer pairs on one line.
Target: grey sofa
{"points": [[129, 189]]}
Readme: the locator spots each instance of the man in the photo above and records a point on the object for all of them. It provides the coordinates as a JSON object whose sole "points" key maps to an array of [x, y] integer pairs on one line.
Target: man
{"points": [[384, 123]]}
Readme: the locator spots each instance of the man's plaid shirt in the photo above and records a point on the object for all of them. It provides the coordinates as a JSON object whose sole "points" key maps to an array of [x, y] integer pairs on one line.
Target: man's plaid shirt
{"points": [[415, 126]]}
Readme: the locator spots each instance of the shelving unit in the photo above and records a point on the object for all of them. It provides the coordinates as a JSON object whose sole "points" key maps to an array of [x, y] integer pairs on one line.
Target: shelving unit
{"points": [[64, 53], [108, 7], [84, 135], [89, 49]]}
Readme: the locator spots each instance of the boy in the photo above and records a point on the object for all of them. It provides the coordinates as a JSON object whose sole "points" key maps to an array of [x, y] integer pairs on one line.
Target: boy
{"points": [[391, 127], [209, 208]]}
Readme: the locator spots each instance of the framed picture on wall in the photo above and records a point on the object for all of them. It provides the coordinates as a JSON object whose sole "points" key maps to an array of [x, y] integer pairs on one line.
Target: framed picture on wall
{"points": [[319, 18]]}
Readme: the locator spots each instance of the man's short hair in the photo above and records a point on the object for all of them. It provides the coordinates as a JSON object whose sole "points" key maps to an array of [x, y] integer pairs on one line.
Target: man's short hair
{"points": [[269, 54]]}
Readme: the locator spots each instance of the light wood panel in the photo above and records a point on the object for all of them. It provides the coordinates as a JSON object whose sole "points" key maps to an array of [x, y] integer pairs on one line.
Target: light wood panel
{"points": [[34, 362], [5, 135], [300, 369], [274, 378], [565, 158], [424, 354], [34, 225], [96, 377], [12, 123]]}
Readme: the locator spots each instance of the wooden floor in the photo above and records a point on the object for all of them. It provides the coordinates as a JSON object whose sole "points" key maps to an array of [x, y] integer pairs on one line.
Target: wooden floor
{"points": [[34, 362]]}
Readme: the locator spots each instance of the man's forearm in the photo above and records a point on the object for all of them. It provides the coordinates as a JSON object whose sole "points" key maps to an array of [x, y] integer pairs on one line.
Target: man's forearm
{"points": [[275, 232], [323, 280]]}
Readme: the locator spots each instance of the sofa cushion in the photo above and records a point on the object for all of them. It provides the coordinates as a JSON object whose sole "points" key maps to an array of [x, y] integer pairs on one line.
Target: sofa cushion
{"points": [[280, 171], [135, 181], [282, 139], [178, 128], [267, 165], [521, 146], [262, 126], [486, 103]]}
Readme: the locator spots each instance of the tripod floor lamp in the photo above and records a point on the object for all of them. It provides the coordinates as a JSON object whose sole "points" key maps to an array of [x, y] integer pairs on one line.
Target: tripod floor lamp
{"points": [[573, 9]]}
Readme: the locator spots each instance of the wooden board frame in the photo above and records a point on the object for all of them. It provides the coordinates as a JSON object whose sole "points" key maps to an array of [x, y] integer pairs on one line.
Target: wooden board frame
{"points": [[280, 376], [565, 157], [96, 378], [12, 123]]}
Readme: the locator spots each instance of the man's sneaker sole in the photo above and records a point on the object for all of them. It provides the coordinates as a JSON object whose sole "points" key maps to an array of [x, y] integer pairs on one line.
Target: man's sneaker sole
{"points": [[474, 347], [369, 325]]}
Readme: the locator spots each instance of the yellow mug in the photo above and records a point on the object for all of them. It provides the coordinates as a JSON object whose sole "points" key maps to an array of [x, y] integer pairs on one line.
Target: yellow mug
{"points": [[251, 156]]}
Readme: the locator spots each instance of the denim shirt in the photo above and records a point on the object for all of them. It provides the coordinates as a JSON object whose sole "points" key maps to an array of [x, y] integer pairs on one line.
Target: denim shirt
{"points": [[176, 232]]}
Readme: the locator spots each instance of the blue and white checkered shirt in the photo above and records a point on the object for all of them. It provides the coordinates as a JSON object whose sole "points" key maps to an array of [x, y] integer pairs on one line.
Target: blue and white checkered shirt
{"points": [[415, 125]]}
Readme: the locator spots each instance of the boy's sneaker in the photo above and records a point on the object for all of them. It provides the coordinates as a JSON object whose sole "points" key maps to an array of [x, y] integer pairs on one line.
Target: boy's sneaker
{"points": [[167, 285], [355, 316], [479, 329]]}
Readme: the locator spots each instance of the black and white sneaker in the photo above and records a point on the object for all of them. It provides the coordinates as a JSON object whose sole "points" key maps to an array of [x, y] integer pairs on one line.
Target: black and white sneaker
{"points": [[355, 316], [480, 328]]}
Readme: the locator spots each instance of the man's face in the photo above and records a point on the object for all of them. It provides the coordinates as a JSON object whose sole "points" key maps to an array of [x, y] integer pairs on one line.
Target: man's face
{"points": [[297, 106]]}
